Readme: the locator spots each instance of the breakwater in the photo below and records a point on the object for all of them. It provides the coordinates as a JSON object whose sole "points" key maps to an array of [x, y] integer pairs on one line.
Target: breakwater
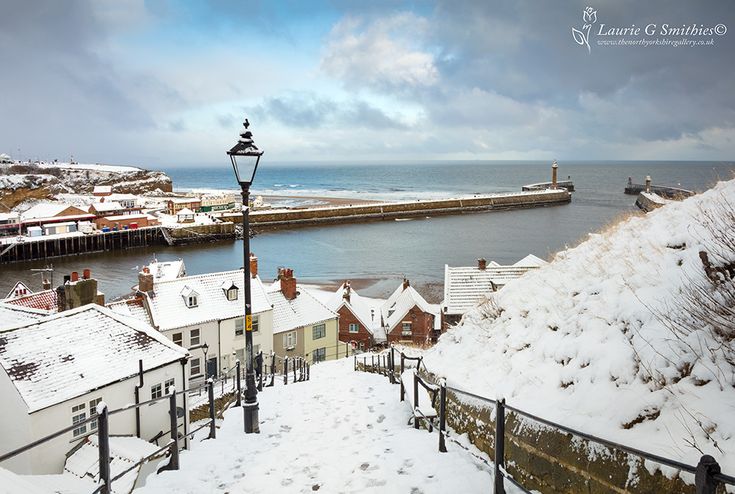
{"points": [[564, 184], [284, 218]]}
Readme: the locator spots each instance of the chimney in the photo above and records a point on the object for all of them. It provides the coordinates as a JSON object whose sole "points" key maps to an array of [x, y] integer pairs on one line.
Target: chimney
{"points": [[346, 294], [46, 284], [145, 280], [554, 168], [61, 298], [288, 283], [406, 283], [253, 265], [482, 263]]}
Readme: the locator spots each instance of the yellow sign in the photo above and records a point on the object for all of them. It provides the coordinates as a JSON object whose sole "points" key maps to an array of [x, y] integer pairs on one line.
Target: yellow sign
{"points": [[248, 323]]}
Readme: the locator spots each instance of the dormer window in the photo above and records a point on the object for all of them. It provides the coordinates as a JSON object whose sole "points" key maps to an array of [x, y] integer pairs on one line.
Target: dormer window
{"points": [[190, 296], [230, 290]]}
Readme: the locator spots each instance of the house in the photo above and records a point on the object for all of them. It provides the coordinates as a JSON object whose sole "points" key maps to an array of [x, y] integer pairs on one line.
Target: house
{"points": [[209, 309], [125, 221], [167, 270], [102, 190], [44, 300], [9, 223], [408, 318], [302, 325], [465, 287], [128, 201], [47, 213], [19, 290], [74, 292], [221, 202], [11, 315], [185, 215], [176, 204], [359, 318], [57, 368]]}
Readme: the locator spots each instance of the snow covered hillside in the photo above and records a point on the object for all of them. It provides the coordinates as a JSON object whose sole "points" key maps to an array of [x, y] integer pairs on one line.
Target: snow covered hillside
{"points": [[342, 431], [618, 336]]}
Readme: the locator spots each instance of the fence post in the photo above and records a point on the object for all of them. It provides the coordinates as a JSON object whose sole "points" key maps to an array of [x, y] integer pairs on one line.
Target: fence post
{"points": [[403, 390], [499, 446], [212, 429], [273, 367], [294, 370], [347, 349], [355, 357], [173, 464], [442, 414], [703, 477], [378, 358], [103, 439], [239, 386], [285, 370], [308, 371], [372, 363], [415, 400]]}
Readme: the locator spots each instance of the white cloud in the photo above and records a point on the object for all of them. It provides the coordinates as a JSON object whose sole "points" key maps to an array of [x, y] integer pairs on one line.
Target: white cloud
{"points": [[380, 54]]}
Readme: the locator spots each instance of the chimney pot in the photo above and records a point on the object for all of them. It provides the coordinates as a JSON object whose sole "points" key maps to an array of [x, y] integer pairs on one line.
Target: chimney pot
{"points": [[74, 276], [482, 263], [253, 265], [87, 274]]}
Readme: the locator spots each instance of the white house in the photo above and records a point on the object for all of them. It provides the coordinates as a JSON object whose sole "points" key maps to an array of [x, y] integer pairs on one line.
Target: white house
{"points": [[56, 368], [465, 286], [19, 290], [209, 308]]}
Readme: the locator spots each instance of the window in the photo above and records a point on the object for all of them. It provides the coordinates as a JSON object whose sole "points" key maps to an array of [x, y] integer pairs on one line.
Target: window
{"points": [[93, 412], [78, 414], [156, 391], [192, 301], [178, 339], [289, 340], [167, 386], [195, 368], [320, 355], [406, 329], [318, 331], [255, 323], [194, 337], [238, 326], [354, 328], [232, 294]]}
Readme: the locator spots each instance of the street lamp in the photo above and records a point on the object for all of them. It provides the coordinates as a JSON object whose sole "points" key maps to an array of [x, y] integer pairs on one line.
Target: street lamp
{"points": [[245, 157], [205, 348]]}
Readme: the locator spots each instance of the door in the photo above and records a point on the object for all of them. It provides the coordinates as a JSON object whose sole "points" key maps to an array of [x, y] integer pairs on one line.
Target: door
{"points": [[212, 367]]}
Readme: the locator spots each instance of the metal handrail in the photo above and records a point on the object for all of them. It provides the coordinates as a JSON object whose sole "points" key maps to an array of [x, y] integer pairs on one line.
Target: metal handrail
{"points": [[135, 465]]}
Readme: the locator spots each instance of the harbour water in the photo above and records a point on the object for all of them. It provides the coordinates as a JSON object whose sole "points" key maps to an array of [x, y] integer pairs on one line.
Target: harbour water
{"points": [[387, 250]]}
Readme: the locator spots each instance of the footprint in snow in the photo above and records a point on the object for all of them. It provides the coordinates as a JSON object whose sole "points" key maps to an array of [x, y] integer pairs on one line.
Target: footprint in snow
{"points": [[285, 428], [371, 408], [286, 482], [381, 418]]}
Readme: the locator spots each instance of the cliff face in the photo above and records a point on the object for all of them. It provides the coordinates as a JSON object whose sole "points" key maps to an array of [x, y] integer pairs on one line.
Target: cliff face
{"points": [[43, 181]]}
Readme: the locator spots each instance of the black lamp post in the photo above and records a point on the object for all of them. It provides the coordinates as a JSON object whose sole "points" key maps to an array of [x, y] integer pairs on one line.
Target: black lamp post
{"points": [[205, 348], [245, 157]]}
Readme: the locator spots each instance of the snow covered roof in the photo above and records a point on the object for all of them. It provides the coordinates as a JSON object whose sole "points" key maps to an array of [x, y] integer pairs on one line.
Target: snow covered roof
{"points": [[465, 286], [19, 289], [102, 189], [185, 212], [400, 302], [169, 311], [44, 300], [304, 310], [121, 217], [71, 353], [184, 200], [12, 315], [368, 314], [48, 210], [131, 307], [103, 207], [167, 270]]}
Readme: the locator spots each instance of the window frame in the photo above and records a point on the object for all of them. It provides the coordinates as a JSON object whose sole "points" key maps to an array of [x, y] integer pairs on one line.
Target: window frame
{"points": [[167, 385], [180, 338], [288, 336], [353, 325], [93, 412], [321, 329], [79, 414], [156, 391], [239, 326], [319, 355], [198, 366], [404, 331], [198, 337]]}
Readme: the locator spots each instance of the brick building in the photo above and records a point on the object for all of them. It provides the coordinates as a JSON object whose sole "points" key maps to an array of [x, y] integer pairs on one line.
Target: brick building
{"points": [[408, 318], [359, 319]]}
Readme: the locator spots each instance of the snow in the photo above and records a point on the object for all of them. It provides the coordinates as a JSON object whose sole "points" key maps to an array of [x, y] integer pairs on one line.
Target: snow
{"points": [[584, 341], [92, 166], [342, 431], [304, 310]]}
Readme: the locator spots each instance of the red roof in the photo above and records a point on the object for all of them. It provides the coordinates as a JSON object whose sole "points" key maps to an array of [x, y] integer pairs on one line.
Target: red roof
{"points": [[44, 300]]}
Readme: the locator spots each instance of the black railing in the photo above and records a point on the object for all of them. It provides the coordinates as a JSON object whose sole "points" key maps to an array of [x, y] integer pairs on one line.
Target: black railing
{"points": [[707, 474], [103, 436]]}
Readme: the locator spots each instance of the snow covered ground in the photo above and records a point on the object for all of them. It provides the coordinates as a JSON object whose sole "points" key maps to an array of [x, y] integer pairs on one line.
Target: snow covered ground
{"points": [[342, 431], [605, 338]]}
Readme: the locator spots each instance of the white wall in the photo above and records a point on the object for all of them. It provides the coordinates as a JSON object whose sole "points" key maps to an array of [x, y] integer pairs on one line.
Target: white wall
{"points": [[208, 333], [231, 343], [15, 427], [50, 457]]}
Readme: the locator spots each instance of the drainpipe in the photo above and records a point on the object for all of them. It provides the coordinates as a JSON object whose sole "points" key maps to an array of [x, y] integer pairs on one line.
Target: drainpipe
{"points": [[137, 397], [219, 346], [183, 399]]}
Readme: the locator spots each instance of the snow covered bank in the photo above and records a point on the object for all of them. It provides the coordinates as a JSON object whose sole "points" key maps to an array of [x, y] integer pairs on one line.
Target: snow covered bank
{"points": [[342, 431], [609, 339]]}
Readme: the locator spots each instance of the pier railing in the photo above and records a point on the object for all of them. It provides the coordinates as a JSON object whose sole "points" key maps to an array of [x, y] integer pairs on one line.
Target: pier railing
{"points": [[708, 477]]}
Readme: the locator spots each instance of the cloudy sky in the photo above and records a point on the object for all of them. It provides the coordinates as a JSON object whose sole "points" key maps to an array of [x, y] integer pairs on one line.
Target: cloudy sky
{"points": [[167, 83]]}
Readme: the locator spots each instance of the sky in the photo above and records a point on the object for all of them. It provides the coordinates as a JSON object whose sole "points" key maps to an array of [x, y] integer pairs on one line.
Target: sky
{"points": [[165, 83]]}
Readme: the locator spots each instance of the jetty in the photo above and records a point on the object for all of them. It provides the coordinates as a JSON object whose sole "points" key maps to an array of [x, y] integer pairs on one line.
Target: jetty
{"points": [[554, 184], [665, 191], [284, 218]]}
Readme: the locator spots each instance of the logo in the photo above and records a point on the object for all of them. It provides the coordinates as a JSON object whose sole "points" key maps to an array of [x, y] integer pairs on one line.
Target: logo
{"points": [[582, 38]]}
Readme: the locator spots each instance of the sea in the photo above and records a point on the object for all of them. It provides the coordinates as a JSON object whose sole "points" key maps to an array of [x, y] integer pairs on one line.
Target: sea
{"points": [[377, 255]]}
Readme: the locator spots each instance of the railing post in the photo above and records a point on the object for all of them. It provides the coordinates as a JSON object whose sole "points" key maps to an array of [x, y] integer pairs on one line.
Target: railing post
{"points": [[378, 356], [239, 386], [260, 370], [704, 480], [273, 368], [103, 443], [347, 349], [173, 464], [285, 370], [372, 362], [499, 446], [415, 400], [212, 429], [308, 371], [400, 378], [355, 357], [294, 369], [442, 414]]}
